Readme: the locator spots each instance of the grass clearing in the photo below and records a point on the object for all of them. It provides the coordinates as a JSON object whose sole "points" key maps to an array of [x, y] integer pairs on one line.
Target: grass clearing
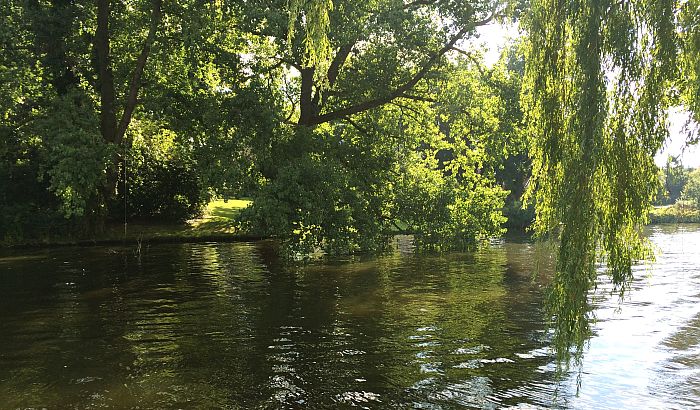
{"points": [[217, 219], [219, 216]]}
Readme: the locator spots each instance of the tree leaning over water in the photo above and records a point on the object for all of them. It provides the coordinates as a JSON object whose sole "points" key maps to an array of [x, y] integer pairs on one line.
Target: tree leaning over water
{"points": [[374, 94]]}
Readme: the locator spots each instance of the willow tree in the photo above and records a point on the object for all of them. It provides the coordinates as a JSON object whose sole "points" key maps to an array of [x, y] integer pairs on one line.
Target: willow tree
{"points": [[598, 81], [689, 33]]}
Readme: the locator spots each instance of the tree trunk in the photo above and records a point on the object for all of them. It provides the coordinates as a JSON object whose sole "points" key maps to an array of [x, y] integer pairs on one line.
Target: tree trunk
{"points": [[113, 131], [108, 115], [307, 107]]}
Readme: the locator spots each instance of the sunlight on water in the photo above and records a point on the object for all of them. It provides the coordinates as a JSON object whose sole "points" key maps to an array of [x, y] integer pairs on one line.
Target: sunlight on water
{"points": [[638, 356], [211, 325]]}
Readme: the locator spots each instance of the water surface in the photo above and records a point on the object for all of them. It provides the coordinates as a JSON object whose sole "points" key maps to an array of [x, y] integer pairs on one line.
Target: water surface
{"points": [[227, 325]]}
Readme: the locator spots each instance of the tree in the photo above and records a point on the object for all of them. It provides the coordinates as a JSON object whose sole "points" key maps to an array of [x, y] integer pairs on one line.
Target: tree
{"points": [[597, 83], [675, 178], [347, 58], [689, 78], [691, 191], [363, 81], [113, 128], [425, 163], [87, 64]]}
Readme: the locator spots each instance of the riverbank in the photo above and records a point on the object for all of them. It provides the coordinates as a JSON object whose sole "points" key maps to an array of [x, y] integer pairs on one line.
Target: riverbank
{"points": [[217, 224], [677, 213]]}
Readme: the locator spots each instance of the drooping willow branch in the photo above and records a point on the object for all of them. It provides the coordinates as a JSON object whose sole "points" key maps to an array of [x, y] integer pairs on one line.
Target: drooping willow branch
{"points": [[597, 85]]}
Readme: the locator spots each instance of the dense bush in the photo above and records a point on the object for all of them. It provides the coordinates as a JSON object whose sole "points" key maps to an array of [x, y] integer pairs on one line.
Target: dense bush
{"points": [[28, 210], [31, 207], [446, 213], [519, 218], [320, 202]]}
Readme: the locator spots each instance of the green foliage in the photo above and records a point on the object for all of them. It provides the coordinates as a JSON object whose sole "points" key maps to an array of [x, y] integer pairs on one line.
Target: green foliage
{"points": [[76, 156], [691, 190], [519, 218], [689, 78], [321, 199], [445, 213], [223, 79], [674, 177], [597, 85], [680, 212], [27, 208], [158, 180], [428, 165], [317, 48], [343, 119]]}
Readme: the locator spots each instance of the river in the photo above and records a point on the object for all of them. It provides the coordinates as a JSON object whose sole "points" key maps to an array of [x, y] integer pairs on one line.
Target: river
{"points": [[227, 325]]}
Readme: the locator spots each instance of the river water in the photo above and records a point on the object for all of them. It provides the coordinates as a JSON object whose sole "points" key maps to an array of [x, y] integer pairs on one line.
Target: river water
{"points": [[228, 326]]}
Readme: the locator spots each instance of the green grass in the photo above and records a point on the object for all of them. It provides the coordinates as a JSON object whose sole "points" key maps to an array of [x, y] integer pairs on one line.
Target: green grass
{"points": [[219, 216], [681, 212], [217, 219]]}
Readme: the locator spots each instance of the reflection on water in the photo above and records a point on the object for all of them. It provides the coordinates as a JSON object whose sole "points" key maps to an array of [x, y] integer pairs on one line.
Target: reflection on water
{"points": [[212, 325]]}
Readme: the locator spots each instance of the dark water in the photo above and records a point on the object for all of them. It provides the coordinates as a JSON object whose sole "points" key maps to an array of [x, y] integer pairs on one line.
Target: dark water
{"points": [[225, 325]]}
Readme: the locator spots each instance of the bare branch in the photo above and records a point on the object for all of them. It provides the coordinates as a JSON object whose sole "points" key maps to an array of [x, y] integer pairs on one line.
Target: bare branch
{"points": [[418, 97], [291, 99], [418, 3], [357, 126], [340, 57]]}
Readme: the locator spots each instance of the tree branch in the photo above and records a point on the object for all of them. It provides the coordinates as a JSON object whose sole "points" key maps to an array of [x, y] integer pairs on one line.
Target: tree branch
{"points": [[338, 61], [135, 83], [418, 3], [358, 127], [407, 108], [399, 91], [307, 108], [473, 59], [417, 97], [105, 77], [291, 63], [367, 105], [288, 119], [340, 57]]}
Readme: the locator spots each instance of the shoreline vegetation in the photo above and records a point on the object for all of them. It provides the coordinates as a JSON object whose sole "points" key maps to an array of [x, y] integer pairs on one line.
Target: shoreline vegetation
{"points": [[680, 212], [217, 224]]}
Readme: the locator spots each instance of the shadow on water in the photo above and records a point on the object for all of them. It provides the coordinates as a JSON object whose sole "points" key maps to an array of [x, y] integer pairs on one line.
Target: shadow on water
{"points": [[217, 325]]}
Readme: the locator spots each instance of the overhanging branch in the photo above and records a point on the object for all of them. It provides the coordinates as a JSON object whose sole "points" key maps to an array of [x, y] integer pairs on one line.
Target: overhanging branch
{"points": [[401, 90]]}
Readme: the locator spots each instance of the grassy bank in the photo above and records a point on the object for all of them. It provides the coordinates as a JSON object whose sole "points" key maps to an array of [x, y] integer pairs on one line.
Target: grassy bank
{"points": [[216, 224], [680, 212]]}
